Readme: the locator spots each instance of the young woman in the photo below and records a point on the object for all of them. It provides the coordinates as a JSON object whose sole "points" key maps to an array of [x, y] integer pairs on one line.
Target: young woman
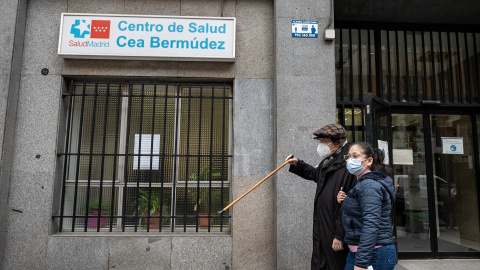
{"points": [[366, 210]]}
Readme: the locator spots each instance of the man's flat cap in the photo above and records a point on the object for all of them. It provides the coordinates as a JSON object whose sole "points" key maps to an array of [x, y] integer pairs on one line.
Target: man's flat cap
{"points": [[332, 131]]}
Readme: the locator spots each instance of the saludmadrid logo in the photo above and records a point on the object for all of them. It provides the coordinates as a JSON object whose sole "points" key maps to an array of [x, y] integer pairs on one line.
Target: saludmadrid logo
{"points": [[97, 29]]}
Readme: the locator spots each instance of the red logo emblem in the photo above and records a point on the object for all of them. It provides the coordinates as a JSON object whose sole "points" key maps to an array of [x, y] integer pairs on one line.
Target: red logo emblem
{"points": [[100, 29]]}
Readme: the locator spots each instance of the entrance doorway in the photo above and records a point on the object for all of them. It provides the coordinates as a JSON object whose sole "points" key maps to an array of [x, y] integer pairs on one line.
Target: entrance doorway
{"points": [[436, 184]]}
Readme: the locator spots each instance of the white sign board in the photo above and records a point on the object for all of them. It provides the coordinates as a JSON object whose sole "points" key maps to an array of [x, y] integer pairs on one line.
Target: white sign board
{"points": [[403, 156], [452, 145], [145, 147], [95, 36], [305, 29], [383, 145]]}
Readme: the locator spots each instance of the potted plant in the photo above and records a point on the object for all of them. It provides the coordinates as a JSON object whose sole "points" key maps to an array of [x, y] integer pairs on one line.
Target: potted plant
{"points": [[202, 205], [93, 209], [152, 200]]}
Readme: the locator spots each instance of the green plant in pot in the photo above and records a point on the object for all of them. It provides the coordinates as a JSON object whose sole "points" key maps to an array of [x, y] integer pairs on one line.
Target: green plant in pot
{"points": [[203, 175], [151, 200], [205, 194]]}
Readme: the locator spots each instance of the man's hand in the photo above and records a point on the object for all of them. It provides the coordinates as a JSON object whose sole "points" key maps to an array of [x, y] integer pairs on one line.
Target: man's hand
{"points": [[337, 245], [359, 268], [341, 195], [292, 160]]}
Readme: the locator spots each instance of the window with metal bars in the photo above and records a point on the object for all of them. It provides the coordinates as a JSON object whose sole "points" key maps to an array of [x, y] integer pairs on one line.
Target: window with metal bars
{"points": [[146, 157], [408, 66], [403, 67]]}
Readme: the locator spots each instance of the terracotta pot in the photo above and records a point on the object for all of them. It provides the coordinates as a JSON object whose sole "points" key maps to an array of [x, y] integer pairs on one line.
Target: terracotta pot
{"points": [[154, 222], [203, 221]]}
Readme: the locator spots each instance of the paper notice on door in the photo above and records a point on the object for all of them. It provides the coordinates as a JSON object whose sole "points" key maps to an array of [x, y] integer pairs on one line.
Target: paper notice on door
{"points": [[452, 145], [383, 145], [403, 156]]}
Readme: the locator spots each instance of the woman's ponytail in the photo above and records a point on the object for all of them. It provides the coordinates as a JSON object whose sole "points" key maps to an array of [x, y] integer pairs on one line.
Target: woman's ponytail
{"points": [[378, 165]]}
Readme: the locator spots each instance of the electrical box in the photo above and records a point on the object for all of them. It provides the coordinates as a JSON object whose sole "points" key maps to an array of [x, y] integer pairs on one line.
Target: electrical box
{"points": [[329, 34]]}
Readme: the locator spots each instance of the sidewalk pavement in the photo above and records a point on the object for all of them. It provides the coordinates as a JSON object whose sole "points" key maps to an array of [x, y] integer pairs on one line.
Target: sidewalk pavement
{"points": [[444, 264]]}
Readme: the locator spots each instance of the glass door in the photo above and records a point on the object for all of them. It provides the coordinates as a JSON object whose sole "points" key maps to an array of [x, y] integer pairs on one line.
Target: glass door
{"points": [[410, 181], [455, 183], [436, 207]]}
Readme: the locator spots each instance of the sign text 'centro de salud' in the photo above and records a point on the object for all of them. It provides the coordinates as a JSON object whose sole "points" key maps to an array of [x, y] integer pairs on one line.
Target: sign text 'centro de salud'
{"points": [[92, 36]]}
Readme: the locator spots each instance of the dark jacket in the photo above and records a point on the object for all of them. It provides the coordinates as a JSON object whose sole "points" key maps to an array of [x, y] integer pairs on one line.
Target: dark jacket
{"points": [[366, 215], [330, 176]]}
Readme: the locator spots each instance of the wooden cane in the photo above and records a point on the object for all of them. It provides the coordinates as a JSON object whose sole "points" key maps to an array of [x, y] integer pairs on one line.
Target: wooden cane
{"points": [[256, 185]]}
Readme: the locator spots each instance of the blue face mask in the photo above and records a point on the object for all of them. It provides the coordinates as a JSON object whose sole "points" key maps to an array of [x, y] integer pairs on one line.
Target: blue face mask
{"points": [[354, 166]]}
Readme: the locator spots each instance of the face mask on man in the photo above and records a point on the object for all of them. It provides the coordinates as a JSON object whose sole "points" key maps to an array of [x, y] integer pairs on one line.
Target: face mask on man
{"points": [[354, 166], [323, 150]]}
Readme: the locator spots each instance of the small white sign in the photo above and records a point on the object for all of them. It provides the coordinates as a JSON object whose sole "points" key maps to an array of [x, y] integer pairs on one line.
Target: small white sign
{"points": [[383, 145], [146, 148], [304, 29], [147, 37], [403, 156], [452, 145]]}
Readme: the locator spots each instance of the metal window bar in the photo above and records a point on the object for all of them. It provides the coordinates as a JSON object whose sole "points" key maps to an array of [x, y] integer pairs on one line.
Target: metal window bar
{"points": [[452, 88], [442, 70], [162, 175], [340, 63], [137, 190], [415, 66], [377, 41], [370, 75], [188, 156], [350, 59], [459, 69], [455, 63], [353, 121], [102, 166], [92, 137], [434, 74], [360, 64], [407, 75], [115, 156], [468, 87], [78, 156], [152, 132], [126, 155], [210, 161], [199, 154], [223, 159], [477, 68], [65, 159], [398, 74], [424, 67], [175, 160], [389, 70]]}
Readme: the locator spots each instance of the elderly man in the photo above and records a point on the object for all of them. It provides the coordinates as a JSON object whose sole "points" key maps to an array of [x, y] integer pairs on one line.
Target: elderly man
{"points": [[331, 176]]}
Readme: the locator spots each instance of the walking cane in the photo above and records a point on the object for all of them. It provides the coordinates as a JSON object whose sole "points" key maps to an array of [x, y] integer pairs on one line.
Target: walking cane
{"points": [[252, 188]]}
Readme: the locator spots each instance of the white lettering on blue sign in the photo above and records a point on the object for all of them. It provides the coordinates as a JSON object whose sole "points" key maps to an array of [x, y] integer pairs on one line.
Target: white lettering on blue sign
{"points": [[145, 37], [304, 29]]}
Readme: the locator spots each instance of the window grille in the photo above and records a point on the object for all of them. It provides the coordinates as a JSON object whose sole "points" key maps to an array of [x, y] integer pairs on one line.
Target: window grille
{"points": [[352, 118], [403, 67], [146, 157], [407, 66]]}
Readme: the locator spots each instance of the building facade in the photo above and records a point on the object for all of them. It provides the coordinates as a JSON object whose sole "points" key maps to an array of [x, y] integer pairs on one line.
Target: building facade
{"points": [[123, 163]]}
